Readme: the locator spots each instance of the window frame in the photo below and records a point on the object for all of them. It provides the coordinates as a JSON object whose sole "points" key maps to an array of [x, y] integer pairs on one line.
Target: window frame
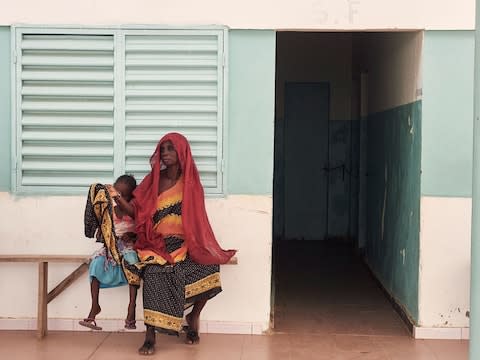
{"points": [[119, 86]]}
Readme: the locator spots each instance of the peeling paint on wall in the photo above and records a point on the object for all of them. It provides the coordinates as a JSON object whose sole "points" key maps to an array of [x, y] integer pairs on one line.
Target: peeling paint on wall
{"points": [[394, 201]]}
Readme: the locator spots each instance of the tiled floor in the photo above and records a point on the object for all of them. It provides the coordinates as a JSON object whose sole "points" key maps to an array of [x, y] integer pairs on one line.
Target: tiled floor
{"points": [[23, 345], [332, 294], [329, 309], [334, 308]]}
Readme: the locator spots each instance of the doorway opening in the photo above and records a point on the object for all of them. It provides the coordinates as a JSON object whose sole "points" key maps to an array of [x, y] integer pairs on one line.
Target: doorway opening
{"points": [[346, 180]]}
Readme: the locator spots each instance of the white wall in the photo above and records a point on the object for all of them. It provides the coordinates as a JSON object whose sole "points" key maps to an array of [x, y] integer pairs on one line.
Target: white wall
{"points": [[54, 225], [444, 278], [393, 64], [254, 14]]}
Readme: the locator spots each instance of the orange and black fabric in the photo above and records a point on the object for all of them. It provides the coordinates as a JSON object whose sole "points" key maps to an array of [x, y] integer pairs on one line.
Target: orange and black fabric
{"points": [[167, 221], [170, 289], [202, 245]]}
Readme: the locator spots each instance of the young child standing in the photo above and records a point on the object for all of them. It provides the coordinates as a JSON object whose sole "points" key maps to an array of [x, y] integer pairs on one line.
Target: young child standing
{"points": [[104, 271]]}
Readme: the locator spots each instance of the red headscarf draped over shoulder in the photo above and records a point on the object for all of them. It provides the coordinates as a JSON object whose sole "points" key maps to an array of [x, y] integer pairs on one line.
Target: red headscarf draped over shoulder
{"points": [[203, 248]]}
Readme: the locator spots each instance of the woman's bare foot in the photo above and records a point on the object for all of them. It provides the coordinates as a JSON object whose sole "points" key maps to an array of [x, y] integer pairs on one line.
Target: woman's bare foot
{"points": [[148, 347], [192, 331]]}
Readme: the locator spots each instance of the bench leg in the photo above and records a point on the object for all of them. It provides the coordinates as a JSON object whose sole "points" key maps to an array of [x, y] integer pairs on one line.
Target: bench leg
{"points": [[42, 299]]}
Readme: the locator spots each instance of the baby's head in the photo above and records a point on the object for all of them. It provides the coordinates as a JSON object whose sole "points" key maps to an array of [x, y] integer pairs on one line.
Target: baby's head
{"points": [[125, 185]]}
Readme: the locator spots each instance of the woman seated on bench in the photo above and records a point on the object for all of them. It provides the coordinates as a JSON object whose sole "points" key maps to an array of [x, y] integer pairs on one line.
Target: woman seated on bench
{"points": [[179, 254]]}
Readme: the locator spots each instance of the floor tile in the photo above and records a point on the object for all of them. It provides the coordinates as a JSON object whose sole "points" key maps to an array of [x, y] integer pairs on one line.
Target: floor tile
{"points": [[449, 349], [21, 345]]}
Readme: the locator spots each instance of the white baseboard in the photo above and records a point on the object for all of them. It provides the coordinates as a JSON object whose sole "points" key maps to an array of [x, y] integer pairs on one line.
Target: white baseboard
{"points": [[444, 333], [116, 325]]}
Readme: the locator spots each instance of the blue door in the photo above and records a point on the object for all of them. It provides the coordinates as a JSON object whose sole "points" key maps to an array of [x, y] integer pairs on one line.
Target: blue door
{"points": [[305, 160]]}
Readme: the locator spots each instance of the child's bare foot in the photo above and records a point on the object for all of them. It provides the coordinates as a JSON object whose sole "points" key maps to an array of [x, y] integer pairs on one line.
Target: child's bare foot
{"points": [[130, 324], [131, 312], [130, 320], [90, 320]]}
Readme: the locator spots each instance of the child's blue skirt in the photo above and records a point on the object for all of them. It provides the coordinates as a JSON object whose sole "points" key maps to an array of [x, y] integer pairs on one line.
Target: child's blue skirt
{"points": [[108, 273]]}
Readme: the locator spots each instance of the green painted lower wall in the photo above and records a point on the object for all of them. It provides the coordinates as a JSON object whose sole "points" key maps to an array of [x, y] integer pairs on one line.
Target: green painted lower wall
{"points": [[447, 115], [393, 201], [5, 98], [251, 111]]}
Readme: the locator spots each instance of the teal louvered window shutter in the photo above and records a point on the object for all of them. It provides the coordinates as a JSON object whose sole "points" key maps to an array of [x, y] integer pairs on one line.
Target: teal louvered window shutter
{"points": [[174, 82], [91, 105], [64, 112]]}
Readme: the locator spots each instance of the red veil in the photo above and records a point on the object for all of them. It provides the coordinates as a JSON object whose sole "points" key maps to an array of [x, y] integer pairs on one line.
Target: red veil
{"points": [[203, 248]]}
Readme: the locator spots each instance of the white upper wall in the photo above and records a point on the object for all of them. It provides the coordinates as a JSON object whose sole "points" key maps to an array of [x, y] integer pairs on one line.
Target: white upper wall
{"points": [[248, 14], [393, 64]]}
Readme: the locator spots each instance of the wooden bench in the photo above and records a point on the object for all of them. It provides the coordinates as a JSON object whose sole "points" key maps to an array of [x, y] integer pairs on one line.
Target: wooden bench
{"points": [[44, 296]]}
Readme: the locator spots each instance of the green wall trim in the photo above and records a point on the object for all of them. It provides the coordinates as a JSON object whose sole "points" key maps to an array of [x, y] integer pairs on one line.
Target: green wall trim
{"points": [[5, 114], [251, 106], [447, 115], [393, 201], [474, 345]]}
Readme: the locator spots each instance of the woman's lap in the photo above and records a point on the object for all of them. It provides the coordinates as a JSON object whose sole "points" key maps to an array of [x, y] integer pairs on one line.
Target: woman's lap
{"points": [[168, 290], [201, 281]]}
